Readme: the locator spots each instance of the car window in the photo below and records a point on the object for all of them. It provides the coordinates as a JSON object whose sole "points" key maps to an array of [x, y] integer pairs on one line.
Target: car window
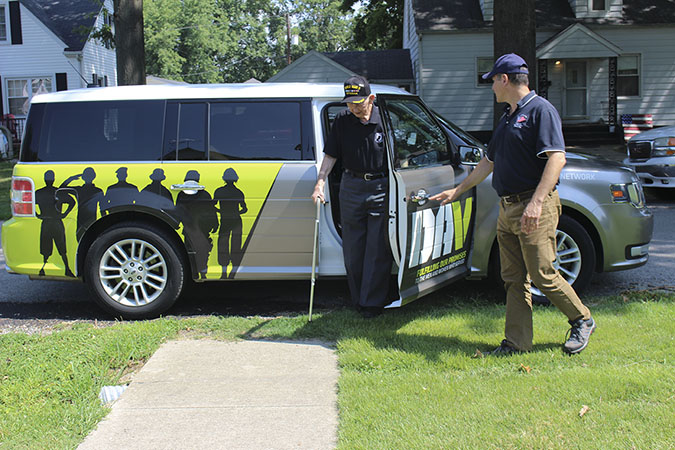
{"points": [[188, 141], [101, 131], [255, 131], [418, 140]]}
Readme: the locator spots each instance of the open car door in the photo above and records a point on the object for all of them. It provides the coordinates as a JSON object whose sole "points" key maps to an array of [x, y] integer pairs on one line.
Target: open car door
{"points": [[431, 243]]}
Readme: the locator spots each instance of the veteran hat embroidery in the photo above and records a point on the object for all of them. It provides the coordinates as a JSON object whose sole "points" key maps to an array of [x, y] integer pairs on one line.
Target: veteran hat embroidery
{"points": [[357, 89]]}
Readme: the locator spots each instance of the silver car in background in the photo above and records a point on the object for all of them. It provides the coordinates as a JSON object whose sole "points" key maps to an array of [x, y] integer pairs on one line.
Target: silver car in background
{"points": [[652, 155]]}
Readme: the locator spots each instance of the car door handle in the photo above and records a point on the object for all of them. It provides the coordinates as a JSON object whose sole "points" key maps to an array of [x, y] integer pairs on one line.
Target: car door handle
{"points": [[420, 198], [189, 187]]}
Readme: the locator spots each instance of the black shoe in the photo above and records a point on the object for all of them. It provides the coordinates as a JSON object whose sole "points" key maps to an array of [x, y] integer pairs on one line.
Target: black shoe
{"points": [[368, 312], [504, 349], [579, 335]]}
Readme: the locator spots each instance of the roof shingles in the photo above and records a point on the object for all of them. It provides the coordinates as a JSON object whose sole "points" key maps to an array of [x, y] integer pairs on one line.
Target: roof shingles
{"points": [[70, 20]]}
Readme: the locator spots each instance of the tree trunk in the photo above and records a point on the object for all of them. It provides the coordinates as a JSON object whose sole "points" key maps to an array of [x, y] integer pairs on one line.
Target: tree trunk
{"points": [[129, 42], [515, 32]]}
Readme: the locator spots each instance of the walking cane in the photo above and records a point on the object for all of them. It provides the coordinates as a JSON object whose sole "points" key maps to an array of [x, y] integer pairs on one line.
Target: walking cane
{"points": [[314, 252]]}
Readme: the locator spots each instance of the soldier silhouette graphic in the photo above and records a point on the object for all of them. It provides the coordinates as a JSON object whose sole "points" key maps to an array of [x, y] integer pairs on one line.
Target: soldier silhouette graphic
{"points": [[89, 199], [197, 212], [156, 187], [52, 232], [232, 205], [119, 194]]}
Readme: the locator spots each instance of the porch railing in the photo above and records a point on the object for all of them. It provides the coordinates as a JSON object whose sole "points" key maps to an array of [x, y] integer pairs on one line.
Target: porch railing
{"points": [[15, 125]]}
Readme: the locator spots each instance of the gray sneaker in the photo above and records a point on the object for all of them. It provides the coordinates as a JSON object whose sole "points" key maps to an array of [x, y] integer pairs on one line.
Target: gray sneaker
{"points": [[579, 335]]}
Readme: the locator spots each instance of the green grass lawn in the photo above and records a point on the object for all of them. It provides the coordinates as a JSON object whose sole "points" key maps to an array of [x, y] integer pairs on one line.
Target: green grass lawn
{"points": [[5, 184], [408, 379]]}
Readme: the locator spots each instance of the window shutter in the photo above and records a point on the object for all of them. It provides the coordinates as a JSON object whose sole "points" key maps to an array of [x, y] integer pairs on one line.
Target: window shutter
{"points": [[15, 22], [1, 102], [61, 81]]}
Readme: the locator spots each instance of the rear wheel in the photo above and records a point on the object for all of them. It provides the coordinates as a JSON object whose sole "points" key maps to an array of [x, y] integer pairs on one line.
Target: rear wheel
{"points": [[134, 271]]}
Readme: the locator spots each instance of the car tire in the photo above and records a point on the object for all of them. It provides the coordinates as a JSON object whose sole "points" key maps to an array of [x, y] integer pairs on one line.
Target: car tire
{"points": [[575, 257], [134, 271]]}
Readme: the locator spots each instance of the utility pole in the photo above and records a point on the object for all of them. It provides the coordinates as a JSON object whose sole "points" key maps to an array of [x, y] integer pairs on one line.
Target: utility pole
{"points": [[288, 39]]}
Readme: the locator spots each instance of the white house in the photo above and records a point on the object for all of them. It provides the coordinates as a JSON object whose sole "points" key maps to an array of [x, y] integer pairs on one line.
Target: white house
{"points": [[596, 59], [45, 47]]}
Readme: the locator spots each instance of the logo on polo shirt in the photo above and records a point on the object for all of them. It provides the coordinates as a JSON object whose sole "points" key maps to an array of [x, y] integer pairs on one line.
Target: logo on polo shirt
{"points": [[520, 121], [378, 138]]}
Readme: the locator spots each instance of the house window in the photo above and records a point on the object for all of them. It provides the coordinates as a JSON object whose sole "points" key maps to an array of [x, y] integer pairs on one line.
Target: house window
{"points": [[628, 80], [19, 94], [483, 66], [3, 24], [598, 5]]}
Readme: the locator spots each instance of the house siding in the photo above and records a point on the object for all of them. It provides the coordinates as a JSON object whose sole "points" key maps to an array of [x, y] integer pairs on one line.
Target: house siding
{"points": [[582, 10], [657, 71], [448, 78], [411, 41], [96, 59], [41, 55], [488, 8], [448, 75]]}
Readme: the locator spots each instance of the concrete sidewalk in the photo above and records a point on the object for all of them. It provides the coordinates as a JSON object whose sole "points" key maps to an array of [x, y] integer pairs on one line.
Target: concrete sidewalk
{"points": [[203, 394]]}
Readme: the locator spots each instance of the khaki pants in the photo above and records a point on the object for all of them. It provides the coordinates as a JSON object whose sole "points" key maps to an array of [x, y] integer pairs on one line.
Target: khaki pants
{"points": [[522, 254]]}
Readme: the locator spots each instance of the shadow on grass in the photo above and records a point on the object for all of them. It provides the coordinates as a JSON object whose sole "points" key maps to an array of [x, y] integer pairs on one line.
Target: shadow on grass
{"points": [[398, 329]]}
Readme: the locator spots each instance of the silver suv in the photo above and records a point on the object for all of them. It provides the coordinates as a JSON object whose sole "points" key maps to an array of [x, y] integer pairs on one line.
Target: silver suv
{"points": [[652, 155]]}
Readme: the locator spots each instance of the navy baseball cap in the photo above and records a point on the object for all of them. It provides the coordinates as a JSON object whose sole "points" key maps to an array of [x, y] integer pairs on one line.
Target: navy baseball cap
{"points": [[509, 63], [357, 89]]}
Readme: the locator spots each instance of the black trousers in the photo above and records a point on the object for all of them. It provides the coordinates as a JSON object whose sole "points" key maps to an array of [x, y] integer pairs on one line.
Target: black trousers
{"points": [[367, 255]]}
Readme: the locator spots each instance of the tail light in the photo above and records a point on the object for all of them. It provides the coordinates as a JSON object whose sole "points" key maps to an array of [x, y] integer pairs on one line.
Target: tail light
{"points": [[23, 197]]}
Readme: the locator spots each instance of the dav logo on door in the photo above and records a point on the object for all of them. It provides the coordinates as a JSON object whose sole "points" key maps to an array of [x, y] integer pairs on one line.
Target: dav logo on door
{"points": [[440, 239]]}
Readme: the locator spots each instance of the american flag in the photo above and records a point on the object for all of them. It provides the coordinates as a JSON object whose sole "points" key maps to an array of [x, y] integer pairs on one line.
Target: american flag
{"points": [[634, 124]]}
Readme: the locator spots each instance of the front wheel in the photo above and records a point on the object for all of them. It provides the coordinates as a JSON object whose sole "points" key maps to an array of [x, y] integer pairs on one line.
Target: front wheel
{"points": [[134, 272], [575, 257]]}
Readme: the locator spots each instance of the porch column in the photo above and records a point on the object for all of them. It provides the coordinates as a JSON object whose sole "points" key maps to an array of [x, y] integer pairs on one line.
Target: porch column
{"points": [[542, 78], [611, 110]]}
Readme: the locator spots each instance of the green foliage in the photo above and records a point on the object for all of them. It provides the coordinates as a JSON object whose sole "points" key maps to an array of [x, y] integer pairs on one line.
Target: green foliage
{"points": [[378, 24], [209, 41]]}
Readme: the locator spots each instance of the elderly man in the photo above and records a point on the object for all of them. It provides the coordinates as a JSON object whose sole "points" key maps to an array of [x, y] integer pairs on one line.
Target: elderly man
{"points": [[527, 153], [357, 140]]}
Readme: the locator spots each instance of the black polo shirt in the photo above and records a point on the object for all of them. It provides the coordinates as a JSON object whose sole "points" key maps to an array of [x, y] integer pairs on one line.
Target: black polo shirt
{"points": [[359, 146], [519, 144]]}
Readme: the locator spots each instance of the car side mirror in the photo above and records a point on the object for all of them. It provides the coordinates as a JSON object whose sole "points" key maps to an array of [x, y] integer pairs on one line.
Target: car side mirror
{"points": [[470, 156]]}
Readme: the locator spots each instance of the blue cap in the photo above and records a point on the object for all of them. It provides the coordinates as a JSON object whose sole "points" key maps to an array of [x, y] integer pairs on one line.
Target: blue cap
{"points": [[509, 63]]}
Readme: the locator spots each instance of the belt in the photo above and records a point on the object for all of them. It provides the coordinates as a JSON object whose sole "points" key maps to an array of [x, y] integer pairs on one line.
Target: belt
{"points": [[367, 176], [517, 198]]}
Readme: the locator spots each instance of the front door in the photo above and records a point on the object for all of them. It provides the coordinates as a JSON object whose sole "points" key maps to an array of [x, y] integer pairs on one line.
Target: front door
{"points": [[575, 90], [430, 243]]}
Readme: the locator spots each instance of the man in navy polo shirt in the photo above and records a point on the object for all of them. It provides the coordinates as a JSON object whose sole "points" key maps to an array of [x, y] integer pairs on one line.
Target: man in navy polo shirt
{"points": [[526, 154], [357, 140]]}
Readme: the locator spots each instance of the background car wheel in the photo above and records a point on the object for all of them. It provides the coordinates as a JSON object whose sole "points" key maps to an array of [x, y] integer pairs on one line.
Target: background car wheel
{"points": [[575, 257], [134, 271]]}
